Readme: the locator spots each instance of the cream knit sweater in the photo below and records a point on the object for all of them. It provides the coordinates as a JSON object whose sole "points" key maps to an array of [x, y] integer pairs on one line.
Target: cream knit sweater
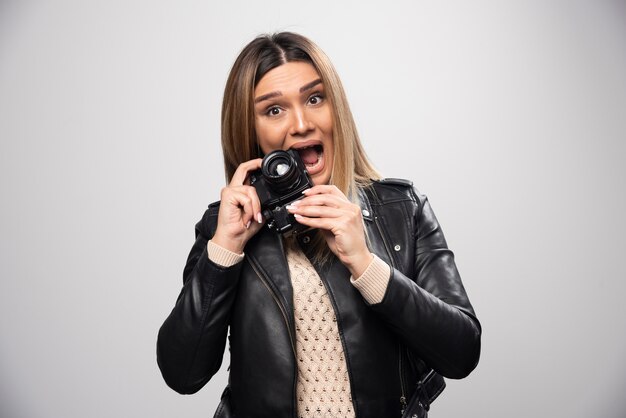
{"points": [[323, 388]]}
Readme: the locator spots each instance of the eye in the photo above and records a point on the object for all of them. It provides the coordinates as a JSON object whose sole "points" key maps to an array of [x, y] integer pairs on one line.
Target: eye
{"points": [[273, 111], [316, 99]]}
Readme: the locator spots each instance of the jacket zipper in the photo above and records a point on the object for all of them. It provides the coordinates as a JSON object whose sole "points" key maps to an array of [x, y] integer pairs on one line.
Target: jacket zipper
{"points": [[400, 368], [264, 279], [280, 305], [402, 396]]}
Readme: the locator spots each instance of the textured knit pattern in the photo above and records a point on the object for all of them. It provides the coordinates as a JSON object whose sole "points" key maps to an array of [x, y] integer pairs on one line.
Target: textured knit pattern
{"points": [[323, 388]]}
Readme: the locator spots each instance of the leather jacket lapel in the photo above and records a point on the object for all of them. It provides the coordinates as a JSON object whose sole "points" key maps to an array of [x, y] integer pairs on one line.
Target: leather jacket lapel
{"points": [[376, 240]]}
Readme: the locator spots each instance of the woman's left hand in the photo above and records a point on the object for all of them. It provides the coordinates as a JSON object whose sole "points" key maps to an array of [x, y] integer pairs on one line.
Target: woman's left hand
{"points": [[325, 207]]}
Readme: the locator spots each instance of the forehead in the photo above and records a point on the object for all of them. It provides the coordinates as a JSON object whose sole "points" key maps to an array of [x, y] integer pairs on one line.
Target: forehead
{"points": [[286, 78]]}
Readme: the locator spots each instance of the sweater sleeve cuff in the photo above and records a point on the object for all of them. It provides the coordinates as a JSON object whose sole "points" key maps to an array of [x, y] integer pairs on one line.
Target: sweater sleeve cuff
{"points": [[221, 256], [373, 282]]}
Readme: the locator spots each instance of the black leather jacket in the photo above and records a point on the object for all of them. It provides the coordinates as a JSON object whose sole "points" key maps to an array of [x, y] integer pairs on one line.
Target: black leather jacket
{"points": [[425, 320]]}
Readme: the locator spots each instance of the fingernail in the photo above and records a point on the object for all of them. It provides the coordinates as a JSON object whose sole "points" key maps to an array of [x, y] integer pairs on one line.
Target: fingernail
{"points": [[290, 207], [305, 190], [295, 215], [259, 218], [294, 203], [248, 224]]}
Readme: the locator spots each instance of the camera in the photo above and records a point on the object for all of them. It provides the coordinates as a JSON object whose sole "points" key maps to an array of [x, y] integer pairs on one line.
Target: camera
{"points": [[280, 181]]}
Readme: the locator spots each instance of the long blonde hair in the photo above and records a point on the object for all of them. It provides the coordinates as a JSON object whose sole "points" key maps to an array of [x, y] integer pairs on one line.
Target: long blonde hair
{"points": [[351, 167]]}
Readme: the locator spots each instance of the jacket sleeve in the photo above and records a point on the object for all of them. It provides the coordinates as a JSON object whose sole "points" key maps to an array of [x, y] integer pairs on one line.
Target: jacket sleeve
{"points": [[431, 311], [191, 341]]}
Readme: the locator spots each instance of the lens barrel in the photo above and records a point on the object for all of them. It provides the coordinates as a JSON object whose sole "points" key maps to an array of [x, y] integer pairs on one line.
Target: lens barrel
{"points": [[280, 171]]}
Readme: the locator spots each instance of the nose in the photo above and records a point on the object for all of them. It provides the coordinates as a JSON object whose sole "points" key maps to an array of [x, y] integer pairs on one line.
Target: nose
{"points": [[300, 122]]}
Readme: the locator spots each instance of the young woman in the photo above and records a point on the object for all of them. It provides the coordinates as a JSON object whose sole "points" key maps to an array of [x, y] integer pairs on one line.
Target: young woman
{"points": [[358, 316]]}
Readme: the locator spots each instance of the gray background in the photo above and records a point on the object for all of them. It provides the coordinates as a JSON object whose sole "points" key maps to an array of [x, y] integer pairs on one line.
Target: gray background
{"points": [[510, 115]]}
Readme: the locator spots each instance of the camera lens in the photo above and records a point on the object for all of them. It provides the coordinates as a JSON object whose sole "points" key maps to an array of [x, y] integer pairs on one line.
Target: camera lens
{"points": [[282, 168], [280, 171], [278, 168]]}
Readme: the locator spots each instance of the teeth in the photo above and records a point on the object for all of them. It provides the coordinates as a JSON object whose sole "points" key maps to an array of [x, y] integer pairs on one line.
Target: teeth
{"points": [[308, 146]]}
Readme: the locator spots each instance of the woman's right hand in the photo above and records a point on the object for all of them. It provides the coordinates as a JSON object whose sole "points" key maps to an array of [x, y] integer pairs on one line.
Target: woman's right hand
{"points": [[239, 217]]}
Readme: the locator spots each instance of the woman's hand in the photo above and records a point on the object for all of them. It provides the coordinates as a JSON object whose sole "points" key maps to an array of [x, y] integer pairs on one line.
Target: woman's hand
{"points": [[239, 217], [327, 208]]}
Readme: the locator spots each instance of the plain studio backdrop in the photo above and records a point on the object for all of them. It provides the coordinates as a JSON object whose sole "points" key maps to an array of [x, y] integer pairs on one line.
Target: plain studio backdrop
{"points": [[509, 115]]}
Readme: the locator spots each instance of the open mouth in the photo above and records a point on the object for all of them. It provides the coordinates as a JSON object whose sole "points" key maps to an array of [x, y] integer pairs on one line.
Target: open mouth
{"points": [[313, 158]]}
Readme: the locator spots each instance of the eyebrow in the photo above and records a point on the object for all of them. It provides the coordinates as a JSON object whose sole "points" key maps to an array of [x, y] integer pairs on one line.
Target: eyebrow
{"points": [[310, 85], [307, 86]]}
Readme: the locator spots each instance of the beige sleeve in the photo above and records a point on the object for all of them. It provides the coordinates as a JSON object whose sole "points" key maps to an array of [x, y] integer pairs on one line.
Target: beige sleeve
{"points": [[221, 256], [373, 282]]}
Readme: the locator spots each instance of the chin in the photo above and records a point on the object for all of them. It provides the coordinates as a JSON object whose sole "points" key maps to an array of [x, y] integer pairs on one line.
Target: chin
{"points": [[320, 180]]}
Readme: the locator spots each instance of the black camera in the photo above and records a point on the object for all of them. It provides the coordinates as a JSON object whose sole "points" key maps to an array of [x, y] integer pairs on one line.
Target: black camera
{"points": [[280, 181]]}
